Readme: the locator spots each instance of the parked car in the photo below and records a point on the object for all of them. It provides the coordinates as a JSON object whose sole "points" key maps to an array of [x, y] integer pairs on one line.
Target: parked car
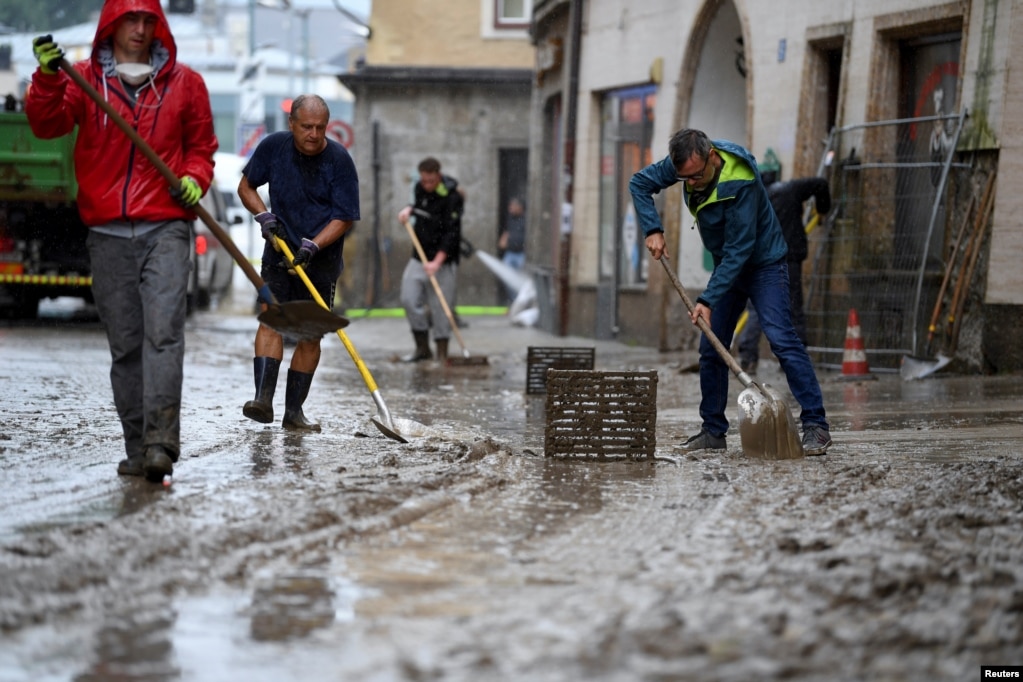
{"points": [[212, 264]]}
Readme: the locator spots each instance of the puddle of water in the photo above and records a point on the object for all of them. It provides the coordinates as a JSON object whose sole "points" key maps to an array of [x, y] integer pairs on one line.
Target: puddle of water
{"points": [[274, 634]]}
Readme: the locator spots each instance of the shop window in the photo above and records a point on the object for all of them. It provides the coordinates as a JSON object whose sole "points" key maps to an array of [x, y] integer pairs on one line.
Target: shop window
{"points": [[625, 147]]}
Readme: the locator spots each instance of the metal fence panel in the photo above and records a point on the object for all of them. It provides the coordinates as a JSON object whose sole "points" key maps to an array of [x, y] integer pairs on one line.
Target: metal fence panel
{"points": [[879, 251]]}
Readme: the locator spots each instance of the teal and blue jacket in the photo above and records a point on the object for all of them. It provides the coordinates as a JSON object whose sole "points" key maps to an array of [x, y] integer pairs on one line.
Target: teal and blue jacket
{"points": [[737, 224]]}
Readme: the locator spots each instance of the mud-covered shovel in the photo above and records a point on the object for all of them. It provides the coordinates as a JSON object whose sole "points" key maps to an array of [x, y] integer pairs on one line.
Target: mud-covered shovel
{"points": [[766, 427], [392, 427], [300, 319]]}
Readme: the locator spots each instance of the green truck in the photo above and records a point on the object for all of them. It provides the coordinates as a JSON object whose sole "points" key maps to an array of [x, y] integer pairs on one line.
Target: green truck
{"points": [[42, 238]]}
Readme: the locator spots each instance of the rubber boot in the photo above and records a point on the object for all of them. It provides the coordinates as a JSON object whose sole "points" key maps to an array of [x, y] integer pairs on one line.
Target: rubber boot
{"points": [[294, 395], [422, 351], [157, 464], [442, 349], [265, 371]]}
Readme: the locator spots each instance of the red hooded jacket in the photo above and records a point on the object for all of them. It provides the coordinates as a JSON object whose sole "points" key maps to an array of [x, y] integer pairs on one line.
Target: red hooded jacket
{"points": [[115, 181]]}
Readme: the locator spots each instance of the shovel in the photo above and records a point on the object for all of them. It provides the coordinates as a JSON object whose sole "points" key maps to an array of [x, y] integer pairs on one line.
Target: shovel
{"points": [[466, 359], [390, 427], [766, 427], [301, 319]]}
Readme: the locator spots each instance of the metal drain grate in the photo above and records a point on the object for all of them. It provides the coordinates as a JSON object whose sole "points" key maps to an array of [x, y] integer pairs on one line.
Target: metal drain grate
{"points": [[601, 415], [541, 358]]}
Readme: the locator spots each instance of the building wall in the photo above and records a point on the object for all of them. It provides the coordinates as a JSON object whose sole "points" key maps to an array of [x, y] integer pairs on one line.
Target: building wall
{"points": [[443, 33], [623, 42], [438, 80], [1004, 276], [476, 126]]}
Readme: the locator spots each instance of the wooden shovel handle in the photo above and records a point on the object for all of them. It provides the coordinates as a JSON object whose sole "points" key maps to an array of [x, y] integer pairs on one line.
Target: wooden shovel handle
{"points": [[171, 178], [705, 328]]}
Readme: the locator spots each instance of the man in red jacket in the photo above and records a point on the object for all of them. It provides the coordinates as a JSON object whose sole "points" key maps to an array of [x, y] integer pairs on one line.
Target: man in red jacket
{"points": [[139, 232]]}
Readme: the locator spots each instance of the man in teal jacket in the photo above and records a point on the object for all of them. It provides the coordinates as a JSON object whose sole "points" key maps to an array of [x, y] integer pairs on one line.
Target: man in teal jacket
{"points": [[729, 205]]}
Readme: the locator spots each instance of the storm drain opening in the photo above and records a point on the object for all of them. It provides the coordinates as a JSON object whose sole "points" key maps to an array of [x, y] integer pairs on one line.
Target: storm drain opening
{"points": [[541, 358], [601, 415]]}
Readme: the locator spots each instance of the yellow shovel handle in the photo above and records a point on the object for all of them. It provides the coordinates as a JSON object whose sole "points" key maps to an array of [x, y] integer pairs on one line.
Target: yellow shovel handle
{"points": [[363, 370]]}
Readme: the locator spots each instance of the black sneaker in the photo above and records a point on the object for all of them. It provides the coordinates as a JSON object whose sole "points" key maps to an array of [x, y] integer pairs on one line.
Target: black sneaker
{"points": [[816, 440], [133, 466], [704, 440], [157, 464]]}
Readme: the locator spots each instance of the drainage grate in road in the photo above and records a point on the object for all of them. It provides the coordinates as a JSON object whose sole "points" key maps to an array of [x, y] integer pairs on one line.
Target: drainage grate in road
{"points": [[541, 358], [601, 415]]}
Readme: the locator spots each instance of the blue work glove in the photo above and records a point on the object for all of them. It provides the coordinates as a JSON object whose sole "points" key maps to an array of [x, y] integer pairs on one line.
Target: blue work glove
{"points": [[269, 226], [188, 194], [305, 252], [47, 53]]}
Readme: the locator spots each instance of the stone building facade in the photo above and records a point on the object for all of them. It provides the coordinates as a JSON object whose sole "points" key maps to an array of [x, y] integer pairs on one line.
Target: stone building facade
{"points": [[866, 80], [450, 80]]}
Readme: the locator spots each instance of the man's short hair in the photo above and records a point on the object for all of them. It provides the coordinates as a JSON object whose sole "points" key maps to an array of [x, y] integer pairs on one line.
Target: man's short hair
{"points": [[429, 165], [307, 102], [687, 142]]}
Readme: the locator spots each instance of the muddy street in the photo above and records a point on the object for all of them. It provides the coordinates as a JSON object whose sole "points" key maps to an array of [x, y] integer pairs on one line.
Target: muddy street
{"points": [[466, 554]]}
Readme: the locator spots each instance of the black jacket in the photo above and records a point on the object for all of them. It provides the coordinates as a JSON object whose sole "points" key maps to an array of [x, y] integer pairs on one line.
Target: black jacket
{"points": [[438, 219], [787, 199]]}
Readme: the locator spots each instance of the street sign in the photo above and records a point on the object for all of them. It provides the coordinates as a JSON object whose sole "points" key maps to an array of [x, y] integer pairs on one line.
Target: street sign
{"points": [[339, 131], [249, 136]]}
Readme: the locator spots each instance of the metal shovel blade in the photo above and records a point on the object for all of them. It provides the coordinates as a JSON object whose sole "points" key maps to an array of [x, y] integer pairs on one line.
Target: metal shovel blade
{"points": [[389, 431], [766, 426], [401, 429], [918, 368], [301, 319]]}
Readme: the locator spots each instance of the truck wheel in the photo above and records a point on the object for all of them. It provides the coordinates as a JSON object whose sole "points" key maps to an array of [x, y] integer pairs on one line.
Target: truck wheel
{"points": [[23, 308]]}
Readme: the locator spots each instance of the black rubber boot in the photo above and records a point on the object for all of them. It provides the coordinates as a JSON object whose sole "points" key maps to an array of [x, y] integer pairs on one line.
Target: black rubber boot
{"points": [[294, 395], [158, 463], [442, 349], [422, 351], [261, 409], [132, 466]]}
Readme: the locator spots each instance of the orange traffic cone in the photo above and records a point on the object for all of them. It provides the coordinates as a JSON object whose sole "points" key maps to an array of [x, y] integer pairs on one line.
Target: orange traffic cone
{"points": [[854, 356]]}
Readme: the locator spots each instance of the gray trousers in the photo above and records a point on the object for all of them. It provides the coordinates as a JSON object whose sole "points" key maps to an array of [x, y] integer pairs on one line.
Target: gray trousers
{"points": [[140, 284], [422, 308]]}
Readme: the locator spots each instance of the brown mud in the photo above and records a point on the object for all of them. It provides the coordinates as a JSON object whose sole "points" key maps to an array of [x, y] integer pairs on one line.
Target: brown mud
{"points": [[467, 555]]}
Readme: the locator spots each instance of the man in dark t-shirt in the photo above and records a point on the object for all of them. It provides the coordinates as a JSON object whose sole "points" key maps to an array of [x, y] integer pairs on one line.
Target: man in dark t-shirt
{"points": [[314, 192]]}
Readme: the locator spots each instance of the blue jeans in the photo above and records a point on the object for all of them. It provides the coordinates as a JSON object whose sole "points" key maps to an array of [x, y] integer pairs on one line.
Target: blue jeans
{"points": [[514, 259], [767, 288]]}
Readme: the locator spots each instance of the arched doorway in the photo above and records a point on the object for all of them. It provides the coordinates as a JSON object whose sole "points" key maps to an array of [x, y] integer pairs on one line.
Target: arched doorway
{"points": [[713, 97]]}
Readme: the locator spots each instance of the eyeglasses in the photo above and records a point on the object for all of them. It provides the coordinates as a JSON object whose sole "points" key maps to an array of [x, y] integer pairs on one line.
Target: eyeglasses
{"points": [[698, 176]]}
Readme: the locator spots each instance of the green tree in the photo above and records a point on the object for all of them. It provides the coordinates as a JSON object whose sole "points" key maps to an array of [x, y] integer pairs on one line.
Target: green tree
{"points": [[26, 16]]}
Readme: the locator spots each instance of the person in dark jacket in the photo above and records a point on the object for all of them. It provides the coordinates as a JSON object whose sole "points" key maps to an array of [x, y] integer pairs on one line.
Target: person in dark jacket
{"points": [[724, 193], [314, 194], [139, 232], [436, 216], [788, 199]]}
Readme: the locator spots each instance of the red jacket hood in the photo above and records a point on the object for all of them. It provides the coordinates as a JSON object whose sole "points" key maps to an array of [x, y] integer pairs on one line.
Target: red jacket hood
{"points": [[115, 9]]}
